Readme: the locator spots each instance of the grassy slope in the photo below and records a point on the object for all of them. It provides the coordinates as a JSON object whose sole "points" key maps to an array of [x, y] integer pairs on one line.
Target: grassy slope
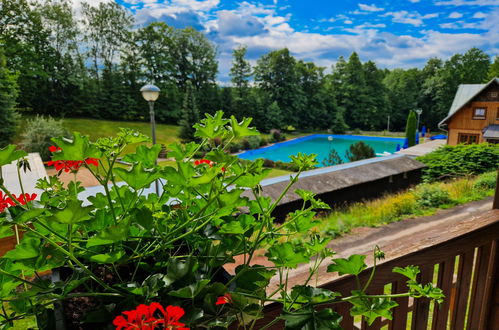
{"points": [[402, 205]]}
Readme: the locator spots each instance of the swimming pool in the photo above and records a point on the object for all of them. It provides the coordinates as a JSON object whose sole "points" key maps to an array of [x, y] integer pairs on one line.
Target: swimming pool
{"points": [[319, 144]]}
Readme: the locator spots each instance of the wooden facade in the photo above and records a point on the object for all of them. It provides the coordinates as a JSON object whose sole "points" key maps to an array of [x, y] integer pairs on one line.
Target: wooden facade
{"points": [[465, 127]]}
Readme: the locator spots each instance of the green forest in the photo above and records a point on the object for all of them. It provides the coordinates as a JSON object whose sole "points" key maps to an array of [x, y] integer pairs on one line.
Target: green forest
{"points": [[53, 63]]}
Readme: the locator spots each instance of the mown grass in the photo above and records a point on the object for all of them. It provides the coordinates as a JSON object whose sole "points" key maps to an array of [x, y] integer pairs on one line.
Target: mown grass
{"points": [[408, 204]]}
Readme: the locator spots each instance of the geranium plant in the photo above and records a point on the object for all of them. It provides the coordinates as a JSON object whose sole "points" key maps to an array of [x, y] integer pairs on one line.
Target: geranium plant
{"points": [[121, 256]]}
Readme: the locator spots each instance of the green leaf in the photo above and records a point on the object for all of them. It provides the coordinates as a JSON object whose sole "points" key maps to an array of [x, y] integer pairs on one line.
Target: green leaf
{"points": [[79, 148], [143, 154], [212, 126], [253, 278], [372, 308], [190, 291], [241, 129], [354, 265], [304, 161], [287, 255], [107, 258], [410, 271], [251, 180], [6, 230], [310, 294], [178, 269], [181, 151], [309, 196], [241, 225], [301, 221], [154, 283], [27, 249], [10, 154], [28, 215], [309, 319], [137, 176], [73, 213], [109, 235]]}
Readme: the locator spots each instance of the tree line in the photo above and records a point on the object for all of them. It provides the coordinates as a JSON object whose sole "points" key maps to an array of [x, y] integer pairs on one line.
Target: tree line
{"points": [[94, 66]]}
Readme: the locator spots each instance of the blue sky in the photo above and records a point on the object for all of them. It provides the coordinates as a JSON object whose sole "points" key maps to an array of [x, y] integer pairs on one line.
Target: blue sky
{"points": [[403, 33]]}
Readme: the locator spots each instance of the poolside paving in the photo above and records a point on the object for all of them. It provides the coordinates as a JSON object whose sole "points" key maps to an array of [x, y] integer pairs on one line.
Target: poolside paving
{"points": [[422, 148]]}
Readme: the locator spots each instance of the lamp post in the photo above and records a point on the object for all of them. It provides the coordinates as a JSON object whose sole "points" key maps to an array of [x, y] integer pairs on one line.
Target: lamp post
{"points": [[150, 93], [418, 112]]}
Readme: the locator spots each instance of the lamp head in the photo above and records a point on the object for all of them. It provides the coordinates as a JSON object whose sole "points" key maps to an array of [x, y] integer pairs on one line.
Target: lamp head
{"points": [[150, 93]]}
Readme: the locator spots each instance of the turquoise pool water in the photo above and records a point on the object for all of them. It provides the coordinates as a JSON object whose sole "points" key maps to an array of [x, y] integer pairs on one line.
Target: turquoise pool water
{"points": [[320, 145]]}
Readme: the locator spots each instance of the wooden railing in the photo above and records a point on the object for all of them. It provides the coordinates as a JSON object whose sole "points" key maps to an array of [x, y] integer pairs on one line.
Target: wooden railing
{"points": [[466, 268]]}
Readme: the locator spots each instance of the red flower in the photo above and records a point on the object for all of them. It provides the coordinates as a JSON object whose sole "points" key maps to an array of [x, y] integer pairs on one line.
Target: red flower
{"points": [[23, 199], [69, 165], [143, 318], [93, 161], [206, 161], [203, 161], [54, 149], [6, 201], [225, 299]]}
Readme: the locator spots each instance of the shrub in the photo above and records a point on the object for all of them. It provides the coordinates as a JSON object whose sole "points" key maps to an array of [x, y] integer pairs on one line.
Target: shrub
{"points": [[277, 135], [268, 163], [359, 151], [460, 160], [486, 181], [38, 133], [428, 196], [251, 142], [332, 159], [410, 129], [263, 142], [286, 166], [235, 147]]}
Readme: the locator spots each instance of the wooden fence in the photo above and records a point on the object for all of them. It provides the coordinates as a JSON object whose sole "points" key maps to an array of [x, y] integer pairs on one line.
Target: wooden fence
{"points": [[466, 268]]}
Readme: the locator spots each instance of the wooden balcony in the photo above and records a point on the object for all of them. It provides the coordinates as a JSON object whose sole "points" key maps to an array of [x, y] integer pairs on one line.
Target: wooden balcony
{"points": [[463, 261]]}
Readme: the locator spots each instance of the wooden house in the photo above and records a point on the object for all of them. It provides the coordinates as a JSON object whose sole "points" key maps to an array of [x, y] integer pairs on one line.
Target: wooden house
{"points": [[474, 114]]}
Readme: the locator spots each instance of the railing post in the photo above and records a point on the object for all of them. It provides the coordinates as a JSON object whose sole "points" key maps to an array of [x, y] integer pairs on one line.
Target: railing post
{"points": [[495, 205]]}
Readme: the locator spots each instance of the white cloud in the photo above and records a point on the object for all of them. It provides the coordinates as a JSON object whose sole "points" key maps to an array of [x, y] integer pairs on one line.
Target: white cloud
{"points": [[479, 14], [468, 3], [405, 17], [370, 25], [348, 21], [414, 1], [370, 7], [455, 14]]}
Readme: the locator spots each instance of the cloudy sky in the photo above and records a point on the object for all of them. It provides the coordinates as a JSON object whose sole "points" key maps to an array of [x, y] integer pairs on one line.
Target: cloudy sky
{"points": [[401, 33]]}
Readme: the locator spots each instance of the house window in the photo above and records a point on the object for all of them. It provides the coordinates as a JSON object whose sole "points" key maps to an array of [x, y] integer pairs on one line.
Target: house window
{"points": [[479, 113], [493, 95], [468, 138]]}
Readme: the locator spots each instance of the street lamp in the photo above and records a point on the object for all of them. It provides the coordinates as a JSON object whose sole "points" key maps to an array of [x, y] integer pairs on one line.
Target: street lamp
{"points": [[418, 112], [150, 93]]}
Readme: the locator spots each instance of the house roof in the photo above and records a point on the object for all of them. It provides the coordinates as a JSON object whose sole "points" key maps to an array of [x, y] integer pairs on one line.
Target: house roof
{"points": [[465, 93], [327, 179], [491, 132]]}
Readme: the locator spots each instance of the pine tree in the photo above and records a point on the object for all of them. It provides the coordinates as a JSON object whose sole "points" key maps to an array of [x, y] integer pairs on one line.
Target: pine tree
{"points": [[359, 151], [190, 114], [240, 72], [493, 69], [410, 130], [8, 93]]}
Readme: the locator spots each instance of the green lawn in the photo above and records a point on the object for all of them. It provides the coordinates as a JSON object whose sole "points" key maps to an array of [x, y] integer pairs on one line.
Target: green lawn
{"points": [[95, 128]]}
